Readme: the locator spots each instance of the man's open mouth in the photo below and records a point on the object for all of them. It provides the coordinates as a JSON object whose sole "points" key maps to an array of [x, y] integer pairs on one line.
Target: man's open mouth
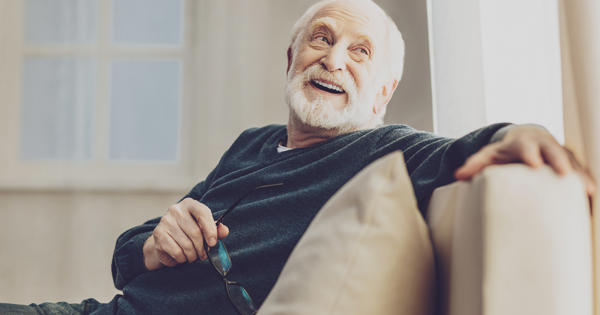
{"points": [[327, 87]]}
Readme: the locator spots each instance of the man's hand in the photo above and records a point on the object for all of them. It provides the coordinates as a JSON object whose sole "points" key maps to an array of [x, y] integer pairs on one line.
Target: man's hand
{"points": [[531, 145], [179, 236]]}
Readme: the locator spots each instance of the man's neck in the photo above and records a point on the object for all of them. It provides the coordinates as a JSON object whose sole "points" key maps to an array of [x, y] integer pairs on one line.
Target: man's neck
{"points": [[300, 135]]}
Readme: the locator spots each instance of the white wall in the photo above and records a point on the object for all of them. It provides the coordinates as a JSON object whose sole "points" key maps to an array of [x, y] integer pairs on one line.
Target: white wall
{"points": [[57, 245], [412, 101]]}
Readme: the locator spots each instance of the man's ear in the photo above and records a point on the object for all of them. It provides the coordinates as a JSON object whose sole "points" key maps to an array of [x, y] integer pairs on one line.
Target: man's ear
{"points": [[384, 96], [289, 56]]}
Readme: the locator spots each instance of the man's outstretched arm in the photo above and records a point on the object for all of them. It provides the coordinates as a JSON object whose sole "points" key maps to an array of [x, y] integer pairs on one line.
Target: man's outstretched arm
{"points": [[433, 161]]}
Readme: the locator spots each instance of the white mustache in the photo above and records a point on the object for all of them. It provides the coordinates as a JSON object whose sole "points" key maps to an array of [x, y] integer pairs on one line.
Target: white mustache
{"points": [[343, 80]]}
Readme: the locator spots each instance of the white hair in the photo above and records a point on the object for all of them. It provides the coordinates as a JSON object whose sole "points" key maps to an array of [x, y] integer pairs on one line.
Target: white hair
{"points": [[395, 51]]}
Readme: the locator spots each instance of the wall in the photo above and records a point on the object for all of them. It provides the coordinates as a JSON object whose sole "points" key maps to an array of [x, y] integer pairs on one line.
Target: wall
{"points": [[57, 245]]}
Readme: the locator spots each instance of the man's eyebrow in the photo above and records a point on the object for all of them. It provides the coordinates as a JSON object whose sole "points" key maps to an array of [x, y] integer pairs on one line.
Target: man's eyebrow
{"points": [[321, 23], [329, 25], [366, 39]]}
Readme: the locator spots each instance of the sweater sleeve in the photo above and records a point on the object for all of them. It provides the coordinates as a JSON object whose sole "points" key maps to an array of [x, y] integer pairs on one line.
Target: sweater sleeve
{"points": [[128, 257], [432, 160]]}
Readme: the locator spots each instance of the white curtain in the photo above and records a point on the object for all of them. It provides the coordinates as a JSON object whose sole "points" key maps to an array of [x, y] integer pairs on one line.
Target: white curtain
{"points": [[580, 41]]}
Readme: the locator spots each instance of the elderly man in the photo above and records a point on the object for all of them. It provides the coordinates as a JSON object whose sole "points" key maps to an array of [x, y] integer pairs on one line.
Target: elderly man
{"points": [[344, 63]]}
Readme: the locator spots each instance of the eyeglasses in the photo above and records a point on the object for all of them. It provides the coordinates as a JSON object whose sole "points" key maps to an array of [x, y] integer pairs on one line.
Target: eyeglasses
{"points": [[219, 258]]}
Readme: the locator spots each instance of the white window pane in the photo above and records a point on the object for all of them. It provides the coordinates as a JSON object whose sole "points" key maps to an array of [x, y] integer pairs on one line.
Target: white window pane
{"points": [[144, 110], [57, 108], [60, 21], [147, 21]]}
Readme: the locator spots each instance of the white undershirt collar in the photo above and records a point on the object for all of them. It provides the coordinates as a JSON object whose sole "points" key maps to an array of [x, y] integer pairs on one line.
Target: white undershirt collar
{"points": [[282, 148]]}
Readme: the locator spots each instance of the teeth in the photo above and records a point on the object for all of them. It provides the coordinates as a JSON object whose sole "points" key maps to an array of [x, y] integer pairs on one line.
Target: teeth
{"points": [[329, 86]]}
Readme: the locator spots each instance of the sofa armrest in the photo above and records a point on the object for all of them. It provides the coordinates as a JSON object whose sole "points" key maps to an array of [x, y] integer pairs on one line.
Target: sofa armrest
{"points": [[514, 240]]}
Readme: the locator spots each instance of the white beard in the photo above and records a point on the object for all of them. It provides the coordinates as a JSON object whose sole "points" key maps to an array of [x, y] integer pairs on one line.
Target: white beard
{"points": [[320, 112]]}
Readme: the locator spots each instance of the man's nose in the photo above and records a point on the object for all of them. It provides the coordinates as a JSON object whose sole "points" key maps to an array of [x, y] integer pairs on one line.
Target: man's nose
{"points": [[335, 59]]}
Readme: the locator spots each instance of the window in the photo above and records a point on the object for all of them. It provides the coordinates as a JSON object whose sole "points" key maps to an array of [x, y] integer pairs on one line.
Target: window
{"points": [[98, 87], [487, 70]]}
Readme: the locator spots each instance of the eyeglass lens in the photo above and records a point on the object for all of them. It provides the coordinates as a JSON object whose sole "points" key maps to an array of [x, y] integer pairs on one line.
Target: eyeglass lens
{"points": [[240, 298], [219, 257]]}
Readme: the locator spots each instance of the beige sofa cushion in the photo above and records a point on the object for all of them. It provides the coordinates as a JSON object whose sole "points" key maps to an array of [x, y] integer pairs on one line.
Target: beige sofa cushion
{"points": [[514, 240], [367, 251]]}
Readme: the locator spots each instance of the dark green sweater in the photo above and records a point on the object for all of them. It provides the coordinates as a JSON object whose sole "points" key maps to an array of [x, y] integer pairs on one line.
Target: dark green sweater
{"points": [[266, 226]]}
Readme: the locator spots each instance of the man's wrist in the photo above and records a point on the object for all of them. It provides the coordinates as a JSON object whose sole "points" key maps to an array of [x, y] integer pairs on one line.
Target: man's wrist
{"points": [[500, 133]]}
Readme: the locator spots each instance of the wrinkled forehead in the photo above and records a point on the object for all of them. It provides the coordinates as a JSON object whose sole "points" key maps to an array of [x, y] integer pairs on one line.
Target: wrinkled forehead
{"points": [[347, 16]]}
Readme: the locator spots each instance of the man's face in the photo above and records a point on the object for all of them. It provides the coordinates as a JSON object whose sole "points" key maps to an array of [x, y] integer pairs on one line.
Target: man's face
{"points": [[331, 81]]}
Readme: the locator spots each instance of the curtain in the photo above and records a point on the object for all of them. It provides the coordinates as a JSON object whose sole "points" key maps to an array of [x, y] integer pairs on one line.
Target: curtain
{"points": [[580, 43]]}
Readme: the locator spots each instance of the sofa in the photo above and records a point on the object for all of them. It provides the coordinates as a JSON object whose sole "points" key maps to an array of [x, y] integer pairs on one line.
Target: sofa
{"points": [[513, 240]]}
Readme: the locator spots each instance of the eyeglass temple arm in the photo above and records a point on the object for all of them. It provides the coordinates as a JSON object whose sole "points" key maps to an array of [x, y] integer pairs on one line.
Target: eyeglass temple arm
{"points": [[222, 216]]}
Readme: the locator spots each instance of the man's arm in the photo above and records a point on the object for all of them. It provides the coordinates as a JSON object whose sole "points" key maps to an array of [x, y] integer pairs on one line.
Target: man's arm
{"points": [[434, 161], [176, 237], [137, 249], [430, 159]]}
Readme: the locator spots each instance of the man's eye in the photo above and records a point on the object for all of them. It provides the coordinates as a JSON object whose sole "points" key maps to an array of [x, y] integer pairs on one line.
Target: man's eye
{"points": [[323, 38], [363, 51]]}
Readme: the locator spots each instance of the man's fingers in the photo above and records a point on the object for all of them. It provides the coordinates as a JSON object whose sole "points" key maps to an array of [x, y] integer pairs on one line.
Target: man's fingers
{"points": [[185, 243], [205, 220], [191, 229], [557, 157], [530, 154], [499, 153], [222, 231], [182, 232], [166, 245], [172, 223], [177, 251], [474, 164], [166, 259]]}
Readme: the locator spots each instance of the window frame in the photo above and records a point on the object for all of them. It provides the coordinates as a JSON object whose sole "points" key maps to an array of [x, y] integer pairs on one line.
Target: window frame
{"points": [[99, 172]]}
